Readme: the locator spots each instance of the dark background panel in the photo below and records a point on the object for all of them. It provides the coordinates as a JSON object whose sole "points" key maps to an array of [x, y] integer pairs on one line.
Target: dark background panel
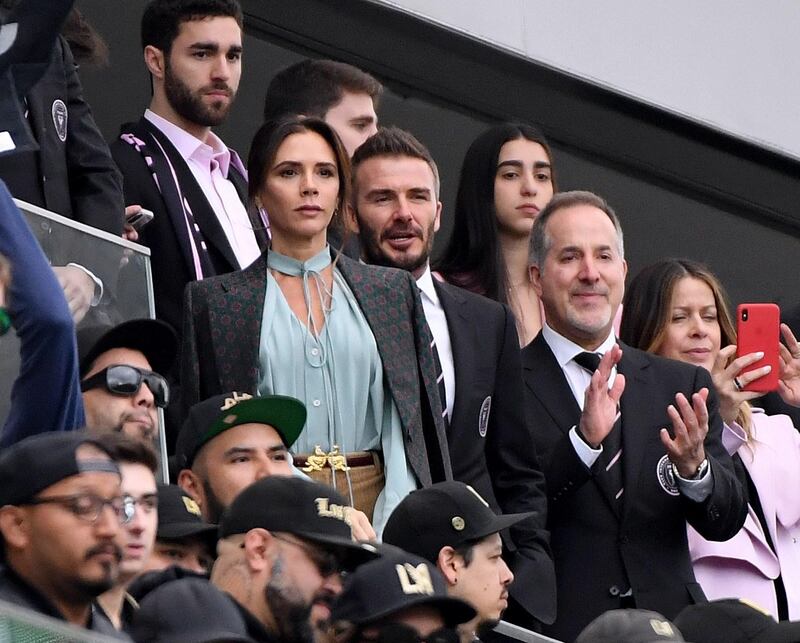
{"points": [[680, 189]]}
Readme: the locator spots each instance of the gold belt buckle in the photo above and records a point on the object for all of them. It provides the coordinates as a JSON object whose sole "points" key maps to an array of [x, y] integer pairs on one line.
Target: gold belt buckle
{"points": [[335, 460]]}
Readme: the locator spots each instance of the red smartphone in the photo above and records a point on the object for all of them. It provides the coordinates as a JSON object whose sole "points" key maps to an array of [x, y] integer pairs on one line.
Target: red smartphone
{"points": [[758, 329]]}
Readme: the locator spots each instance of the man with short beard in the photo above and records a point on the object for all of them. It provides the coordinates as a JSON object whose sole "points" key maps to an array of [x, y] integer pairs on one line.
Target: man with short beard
{"points": [[283, 545], [171, 161], [61, 511], [395, 208]]}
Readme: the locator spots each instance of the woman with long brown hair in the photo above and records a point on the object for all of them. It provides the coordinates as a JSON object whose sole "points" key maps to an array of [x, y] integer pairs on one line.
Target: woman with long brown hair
{"points": [[677, 308]]}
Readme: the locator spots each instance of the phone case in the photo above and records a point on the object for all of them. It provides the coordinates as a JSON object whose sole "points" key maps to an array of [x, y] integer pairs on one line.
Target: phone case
{"points": [[758, 329]]}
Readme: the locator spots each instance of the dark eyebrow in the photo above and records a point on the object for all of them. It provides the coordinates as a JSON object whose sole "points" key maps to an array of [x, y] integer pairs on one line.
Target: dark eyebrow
{"points": [[205, 46], [366, 118], [514, 163], [238, 451], [380, 192], [509, 164]]}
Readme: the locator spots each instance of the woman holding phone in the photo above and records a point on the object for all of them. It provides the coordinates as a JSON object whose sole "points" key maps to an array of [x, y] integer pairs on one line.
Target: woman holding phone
{"points": [[347, 339], [676, 308], [506, 179]]}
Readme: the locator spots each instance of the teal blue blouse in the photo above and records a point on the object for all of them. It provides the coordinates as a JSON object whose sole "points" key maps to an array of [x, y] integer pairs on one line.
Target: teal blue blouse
{"points": [[337, 373]]}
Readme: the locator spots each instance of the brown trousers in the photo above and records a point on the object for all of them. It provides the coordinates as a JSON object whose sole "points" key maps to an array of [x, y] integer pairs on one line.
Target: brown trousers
{"points": [[366, 483]]}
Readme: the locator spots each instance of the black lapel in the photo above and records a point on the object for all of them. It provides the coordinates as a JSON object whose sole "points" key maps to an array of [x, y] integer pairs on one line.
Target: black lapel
{"points": [[545, 379], [204, 214], [462, 339]]}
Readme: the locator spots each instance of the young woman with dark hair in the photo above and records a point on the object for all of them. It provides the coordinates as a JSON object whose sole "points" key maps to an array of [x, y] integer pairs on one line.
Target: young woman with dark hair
{"points": [[677, 308], [506, 179], [349, 340]]}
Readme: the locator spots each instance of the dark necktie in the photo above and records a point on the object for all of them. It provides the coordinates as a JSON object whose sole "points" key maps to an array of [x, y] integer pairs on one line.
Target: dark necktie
{"points": [[611, 458], [440, 383]]}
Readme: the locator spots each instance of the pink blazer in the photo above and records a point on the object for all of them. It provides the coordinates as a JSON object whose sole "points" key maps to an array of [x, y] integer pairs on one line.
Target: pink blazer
{"points": [[744, 566]]}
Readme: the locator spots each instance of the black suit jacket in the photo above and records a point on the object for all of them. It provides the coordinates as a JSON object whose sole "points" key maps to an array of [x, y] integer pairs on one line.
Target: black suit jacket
{"points": [[596, 554], [74, 177], [222, 329], [499, 461], [166, 234]]}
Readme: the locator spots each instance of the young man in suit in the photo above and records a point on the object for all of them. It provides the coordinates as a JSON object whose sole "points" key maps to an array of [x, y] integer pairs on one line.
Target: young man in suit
{"points": [[620, 485], [171, 161], [395, 209]]}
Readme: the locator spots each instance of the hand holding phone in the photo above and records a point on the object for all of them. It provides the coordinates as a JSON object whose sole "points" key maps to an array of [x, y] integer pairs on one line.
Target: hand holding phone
{"points": [[140, 219], [758, 330]]}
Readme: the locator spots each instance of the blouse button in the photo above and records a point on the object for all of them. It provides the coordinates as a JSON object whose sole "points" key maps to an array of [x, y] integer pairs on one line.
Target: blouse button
{"points": [[315, 351], [316, 402]]}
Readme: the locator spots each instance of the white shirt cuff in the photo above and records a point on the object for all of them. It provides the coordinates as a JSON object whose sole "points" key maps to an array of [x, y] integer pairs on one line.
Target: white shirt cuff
{"points": [[697, 490], [586, 454]]}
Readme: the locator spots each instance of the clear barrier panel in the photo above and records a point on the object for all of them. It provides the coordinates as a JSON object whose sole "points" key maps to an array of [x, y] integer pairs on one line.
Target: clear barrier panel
{"points": [[122, 267], [518, 633]]}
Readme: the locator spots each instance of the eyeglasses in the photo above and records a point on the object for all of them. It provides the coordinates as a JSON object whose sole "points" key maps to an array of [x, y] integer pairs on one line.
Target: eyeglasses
{"points": [[326, 562], [121, 379], [148, 503], [88, 506], [402, 633]]}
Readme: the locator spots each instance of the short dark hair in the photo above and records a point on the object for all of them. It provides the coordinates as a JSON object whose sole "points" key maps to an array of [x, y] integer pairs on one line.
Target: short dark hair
{"points": [[126, 450], [162, 19], [268, 139], [393, 141], [312, 86], [540, 242], [473, 257]]}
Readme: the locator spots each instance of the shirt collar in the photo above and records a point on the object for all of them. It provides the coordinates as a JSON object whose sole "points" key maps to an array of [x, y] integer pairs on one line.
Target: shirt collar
{"points": [[425, 284], [189, 146], [565, 350]]}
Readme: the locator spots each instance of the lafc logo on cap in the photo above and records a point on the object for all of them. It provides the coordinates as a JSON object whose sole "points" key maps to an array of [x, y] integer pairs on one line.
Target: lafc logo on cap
{"points": [[662, 628], [415, 580], [230, 402], [191, 506], [327, 510]]}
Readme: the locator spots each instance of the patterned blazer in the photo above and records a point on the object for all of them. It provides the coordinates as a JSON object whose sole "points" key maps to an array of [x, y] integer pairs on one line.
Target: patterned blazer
{"points": [[222, 328]]}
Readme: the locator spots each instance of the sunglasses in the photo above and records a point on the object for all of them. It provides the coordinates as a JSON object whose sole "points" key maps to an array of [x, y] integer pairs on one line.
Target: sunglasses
{"points": [[326, 562], [121, 379]]}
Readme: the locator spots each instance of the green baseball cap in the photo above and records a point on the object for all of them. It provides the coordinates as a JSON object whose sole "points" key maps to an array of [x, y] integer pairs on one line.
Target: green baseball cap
{"points": [[209, 418]]}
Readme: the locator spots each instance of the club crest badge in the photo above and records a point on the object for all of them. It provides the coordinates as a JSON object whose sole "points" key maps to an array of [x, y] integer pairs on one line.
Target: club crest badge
{"points": [[483, 416], [59, 111], [666, 477]]}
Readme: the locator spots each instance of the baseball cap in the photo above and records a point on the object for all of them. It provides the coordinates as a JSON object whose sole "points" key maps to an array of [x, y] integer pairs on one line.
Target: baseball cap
{"points": [[734, 620], [179, 516], [296, 506], [446, 513], [209, 418], [190, 609], [35, 463], [155, 339], [394, 582], [629, 626]]}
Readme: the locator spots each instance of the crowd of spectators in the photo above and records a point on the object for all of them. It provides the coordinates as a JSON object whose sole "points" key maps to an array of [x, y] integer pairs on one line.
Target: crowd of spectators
{"points": [[365, 446]]}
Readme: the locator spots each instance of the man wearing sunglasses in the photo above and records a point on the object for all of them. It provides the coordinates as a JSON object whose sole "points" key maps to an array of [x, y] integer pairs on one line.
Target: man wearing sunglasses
{"points": [[121, 371], [283, 544], [61, 511]]}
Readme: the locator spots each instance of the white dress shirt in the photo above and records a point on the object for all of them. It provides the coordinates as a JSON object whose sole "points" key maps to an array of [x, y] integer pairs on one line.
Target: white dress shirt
{"points": [[437, 321], [210, 163]]}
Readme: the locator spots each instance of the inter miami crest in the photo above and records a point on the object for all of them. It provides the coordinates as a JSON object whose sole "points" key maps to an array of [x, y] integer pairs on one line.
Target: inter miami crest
{"points": [[60, 119]]}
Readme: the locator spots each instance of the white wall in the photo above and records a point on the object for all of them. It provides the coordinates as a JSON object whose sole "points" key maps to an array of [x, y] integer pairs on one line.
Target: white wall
{"points": [[730, 64]]}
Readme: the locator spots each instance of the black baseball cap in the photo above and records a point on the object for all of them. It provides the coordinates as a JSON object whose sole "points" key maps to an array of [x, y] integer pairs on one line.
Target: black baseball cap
{"points": [[392, 583], [179, 516], [446, 513], [191, 609], [629, 626], [155, 339], [734, 620], [310, 510], [209, 418], [33, 464]]}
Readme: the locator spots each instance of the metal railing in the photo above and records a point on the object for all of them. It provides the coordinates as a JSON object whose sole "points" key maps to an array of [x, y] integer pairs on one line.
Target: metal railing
{"points": [[521, 634]]}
